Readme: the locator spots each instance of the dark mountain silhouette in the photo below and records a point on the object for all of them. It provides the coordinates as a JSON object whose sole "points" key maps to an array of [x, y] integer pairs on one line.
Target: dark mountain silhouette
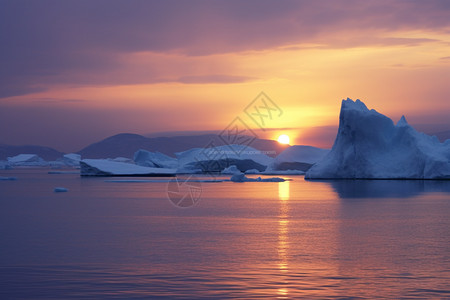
{"points": [[126, 144], [44, 152]]}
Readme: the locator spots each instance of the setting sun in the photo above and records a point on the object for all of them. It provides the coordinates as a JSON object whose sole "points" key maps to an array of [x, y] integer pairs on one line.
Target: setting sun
{"points": [[283, 139]]}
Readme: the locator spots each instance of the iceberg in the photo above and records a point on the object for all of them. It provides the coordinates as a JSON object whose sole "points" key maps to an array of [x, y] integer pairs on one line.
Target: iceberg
{"points": [[104, 167], [370, 146], [4, 165], [29, 160], [71, 159], [216, 159], [240, 177], [231, 170], [122, 159], [299, 158], [154, 159]]}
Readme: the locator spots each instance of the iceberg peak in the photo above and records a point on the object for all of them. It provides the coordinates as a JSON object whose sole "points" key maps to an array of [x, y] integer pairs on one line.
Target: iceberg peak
{"points": [[354, 105], [402, 121]]}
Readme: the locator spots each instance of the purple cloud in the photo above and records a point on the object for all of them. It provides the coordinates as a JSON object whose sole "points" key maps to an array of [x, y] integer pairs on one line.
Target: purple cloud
{"points": [[48, 41]]}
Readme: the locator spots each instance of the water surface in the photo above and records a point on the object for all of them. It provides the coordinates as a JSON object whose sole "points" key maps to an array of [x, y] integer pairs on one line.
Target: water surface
{"points": [[294, 239]]}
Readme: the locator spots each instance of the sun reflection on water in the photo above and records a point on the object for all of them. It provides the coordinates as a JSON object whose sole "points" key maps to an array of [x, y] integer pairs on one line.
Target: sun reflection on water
{"points": [[283, 239]]}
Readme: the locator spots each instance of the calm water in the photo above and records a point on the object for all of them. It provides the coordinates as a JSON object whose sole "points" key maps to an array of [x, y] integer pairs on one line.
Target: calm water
{"points": [[297, 239]]}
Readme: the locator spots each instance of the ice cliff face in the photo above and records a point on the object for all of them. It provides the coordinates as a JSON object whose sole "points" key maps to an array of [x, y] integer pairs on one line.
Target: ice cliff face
{"points": [[369, 145]]}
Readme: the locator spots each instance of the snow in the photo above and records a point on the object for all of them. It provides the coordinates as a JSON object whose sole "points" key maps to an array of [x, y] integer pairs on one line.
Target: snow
{"points": [[27, 160], [240, 177], [122, 159], [370, 146], [154, 159], [73, 156], [4, 165], [252, 171], [297, 158], [231, 170], [60, 190], [104, 167], [216, 159]]}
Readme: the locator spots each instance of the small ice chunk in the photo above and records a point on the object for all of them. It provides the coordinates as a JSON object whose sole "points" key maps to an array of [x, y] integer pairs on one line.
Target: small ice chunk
{"points": [[242, 178], [60, 190], [8, 178]]}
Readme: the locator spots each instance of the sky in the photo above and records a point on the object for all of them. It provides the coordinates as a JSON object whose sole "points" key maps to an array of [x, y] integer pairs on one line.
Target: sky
{"points": [[75, 72]]}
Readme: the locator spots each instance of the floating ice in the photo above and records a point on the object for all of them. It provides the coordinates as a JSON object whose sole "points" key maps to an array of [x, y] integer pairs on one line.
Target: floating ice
{"points": [[60, 190], [231, 170], [154, 159], [71, 159], [104, 167], [242, 178], [27, 160], [216, 159], [4, 165], [370, 146]]}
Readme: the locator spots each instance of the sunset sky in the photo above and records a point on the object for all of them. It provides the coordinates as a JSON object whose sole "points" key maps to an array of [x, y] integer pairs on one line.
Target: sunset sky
{"points": [[74, 72]]}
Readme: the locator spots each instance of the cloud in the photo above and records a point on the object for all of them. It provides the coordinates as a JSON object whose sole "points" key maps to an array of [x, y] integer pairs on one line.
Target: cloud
{"points": [[215, 78], [48, 42]]}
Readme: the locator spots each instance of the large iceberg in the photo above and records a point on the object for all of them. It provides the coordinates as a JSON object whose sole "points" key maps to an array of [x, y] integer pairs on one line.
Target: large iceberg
{"points": [[370, 146], [216, 159], [154, 159], [299, 158], [104, 167]]}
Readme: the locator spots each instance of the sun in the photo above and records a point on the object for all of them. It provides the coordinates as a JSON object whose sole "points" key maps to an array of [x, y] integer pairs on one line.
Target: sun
{"points": [[283, 139]]}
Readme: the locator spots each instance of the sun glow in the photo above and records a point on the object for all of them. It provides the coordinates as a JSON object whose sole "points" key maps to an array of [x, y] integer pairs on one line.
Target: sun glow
{"points": [[283, 139]]}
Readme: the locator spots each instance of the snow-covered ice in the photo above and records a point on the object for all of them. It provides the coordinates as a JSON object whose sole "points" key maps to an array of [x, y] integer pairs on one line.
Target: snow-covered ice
{"points": [[216, 159], [370, 146], [154, 159], [252, 171], [27, 160], [4, 165], [122, 160], [231, 170], [299, 158], [71, 159], [104, 167], [240, 177]]}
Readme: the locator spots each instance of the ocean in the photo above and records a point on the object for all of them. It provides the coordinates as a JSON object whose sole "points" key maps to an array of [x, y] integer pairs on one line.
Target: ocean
{"points": [[126, 238]]}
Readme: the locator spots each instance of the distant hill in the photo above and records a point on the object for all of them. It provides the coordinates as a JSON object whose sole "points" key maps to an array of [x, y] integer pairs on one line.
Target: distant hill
{"points": [[126, 144], [44, 152]]}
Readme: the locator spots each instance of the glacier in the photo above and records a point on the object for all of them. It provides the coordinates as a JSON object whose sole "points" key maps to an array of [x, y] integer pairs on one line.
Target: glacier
{"points": [[369, 145]]}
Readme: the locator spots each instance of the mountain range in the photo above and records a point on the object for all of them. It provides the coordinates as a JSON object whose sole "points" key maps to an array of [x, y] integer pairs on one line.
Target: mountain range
{"points": [[126, 144]]}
